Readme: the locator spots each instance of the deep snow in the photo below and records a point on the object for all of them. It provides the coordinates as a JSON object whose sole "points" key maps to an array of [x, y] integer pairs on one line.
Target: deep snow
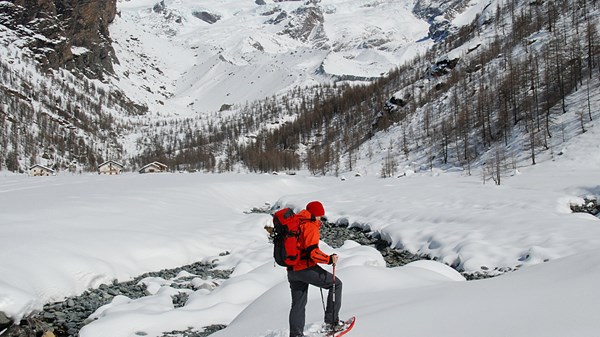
{"points": [[66, 233]]}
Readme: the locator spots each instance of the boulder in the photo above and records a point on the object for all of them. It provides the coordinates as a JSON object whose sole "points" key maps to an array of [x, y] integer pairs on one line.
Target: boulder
{"points": [[29, 327], [5, 322], [207, 17]]}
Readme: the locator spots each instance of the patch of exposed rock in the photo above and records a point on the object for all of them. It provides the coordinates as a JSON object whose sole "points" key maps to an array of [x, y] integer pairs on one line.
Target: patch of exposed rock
{"points": [[589, 205], [64, 33], [207, 16], [306, 25]]}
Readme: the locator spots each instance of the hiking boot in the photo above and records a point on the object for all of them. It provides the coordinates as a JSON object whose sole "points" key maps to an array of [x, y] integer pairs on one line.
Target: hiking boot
{"points": [[333, 327]]}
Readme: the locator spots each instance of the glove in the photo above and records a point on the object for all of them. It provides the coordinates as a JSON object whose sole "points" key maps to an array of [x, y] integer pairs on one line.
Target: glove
{"points": [[333, 258]]}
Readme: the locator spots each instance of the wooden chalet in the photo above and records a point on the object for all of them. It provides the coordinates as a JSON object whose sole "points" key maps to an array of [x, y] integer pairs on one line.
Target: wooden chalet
{"points": [[154, 167], [38, 170], [110, 167]]}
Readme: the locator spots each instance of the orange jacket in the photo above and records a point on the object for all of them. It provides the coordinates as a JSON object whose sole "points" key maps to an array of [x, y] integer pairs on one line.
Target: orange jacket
{"points": [[308, 242]]}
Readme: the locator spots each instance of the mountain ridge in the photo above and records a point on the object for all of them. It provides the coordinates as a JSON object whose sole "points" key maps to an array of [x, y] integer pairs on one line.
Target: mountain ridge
{"points": [[221, 95], [286, 44]]}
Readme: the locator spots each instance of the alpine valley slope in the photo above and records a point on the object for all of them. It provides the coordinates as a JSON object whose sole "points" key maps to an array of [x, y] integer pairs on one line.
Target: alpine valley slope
{"points": [[194, 57]]}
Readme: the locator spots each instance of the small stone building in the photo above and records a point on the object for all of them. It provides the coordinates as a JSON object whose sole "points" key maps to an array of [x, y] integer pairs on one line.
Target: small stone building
{"points": [[38, 170], [154, 167], [110, 167]]}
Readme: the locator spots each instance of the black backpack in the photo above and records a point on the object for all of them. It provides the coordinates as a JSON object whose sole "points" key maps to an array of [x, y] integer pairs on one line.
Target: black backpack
{"points": [[285, 237]]}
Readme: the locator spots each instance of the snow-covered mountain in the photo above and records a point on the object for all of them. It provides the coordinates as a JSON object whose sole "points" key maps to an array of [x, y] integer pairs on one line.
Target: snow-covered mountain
{"points": [[286, 85], [448, 96], [108, 70], [196, 56]]}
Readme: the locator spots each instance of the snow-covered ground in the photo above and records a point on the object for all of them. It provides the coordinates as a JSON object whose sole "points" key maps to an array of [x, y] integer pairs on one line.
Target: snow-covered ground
{"points": [[64, 234]]}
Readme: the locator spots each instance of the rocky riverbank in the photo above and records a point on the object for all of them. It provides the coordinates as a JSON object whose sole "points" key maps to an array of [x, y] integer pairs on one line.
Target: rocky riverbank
{"points": [[336, 233], [589, 205], [66, 318]]}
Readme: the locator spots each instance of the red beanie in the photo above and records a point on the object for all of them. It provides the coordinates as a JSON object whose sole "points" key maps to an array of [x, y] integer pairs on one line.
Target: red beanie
{"points": [[315, 208]]}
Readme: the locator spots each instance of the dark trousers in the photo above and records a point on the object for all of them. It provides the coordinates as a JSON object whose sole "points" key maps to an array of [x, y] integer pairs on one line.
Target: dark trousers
{"points": [[299, 281]]}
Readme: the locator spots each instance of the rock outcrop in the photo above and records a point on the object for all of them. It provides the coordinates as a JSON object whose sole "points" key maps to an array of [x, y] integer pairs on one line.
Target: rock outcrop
{"points": [[65, 33], [306, 25], [438, 13]]}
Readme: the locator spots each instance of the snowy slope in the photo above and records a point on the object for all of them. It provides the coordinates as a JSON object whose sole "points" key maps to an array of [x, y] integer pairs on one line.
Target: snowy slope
{"points": [[188, 66]]}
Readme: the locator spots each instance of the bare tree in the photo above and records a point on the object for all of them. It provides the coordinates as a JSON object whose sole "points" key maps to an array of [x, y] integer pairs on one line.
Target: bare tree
{"points": [[592, 46], [389, 167], [496, 166]]}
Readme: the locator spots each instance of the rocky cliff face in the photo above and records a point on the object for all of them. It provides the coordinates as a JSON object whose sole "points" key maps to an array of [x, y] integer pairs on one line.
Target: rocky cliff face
{"points": [[429, 9], [64, 33], [438, 13]]}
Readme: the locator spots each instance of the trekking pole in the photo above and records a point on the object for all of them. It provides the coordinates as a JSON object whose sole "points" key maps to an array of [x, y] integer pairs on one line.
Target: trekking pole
{"points": [[333, 302]]}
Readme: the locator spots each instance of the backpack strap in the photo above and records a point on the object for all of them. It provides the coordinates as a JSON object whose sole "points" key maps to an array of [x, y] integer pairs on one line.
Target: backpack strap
{"points": [[305, 254]]}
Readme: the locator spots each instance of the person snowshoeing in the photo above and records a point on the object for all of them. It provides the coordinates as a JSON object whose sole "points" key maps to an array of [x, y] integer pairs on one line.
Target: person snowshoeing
{"points": [[308, 272]]}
